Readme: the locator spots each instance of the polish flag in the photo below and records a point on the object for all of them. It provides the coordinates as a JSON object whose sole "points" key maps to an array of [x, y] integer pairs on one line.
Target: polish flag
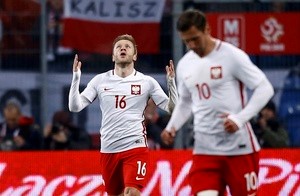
{"points": [[92, 25]]}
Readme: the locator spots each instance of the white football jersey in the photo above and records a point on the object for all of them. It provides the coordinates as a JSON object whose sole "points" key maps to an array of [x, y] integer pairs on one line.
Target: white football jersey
{"points": [[122, 102], [211, 87]]}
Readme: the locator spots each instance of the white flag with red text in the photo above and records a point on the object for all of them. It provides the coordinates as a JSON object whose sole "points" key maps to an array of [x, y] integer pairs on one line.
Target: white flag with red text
{"points": [[92, 25]]}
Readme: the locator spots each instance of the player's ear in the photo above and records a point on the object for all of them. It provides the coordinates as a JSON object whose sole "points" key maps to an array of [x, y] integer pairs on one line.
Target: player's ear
{"points": [[113, 58], [134, 57], [207, 29]]}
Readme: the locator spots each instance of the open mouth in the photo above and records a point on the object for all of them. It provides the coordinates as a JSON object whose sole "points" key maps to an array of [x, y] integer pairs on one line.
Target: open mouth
{"points": [[123, 54]]}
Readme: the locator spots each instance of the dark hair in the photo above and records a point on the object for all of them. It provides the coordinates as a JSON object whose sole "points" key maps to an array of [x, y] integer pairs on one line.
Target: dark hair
{"points": [[62, 117], [271, 106], [189, 18], [126, 37]]}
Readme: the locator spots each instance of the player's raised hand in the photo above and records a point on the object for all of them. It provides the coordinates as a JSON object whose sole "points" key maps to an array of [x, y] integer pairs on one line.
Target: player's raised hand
{"points": [[170, 70], [76, 64]]}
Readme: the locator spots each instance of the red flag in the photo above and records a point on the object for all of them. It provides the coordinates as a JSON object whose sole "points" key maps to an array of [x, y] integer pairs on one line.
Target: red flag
{"points": [[92, 25]]}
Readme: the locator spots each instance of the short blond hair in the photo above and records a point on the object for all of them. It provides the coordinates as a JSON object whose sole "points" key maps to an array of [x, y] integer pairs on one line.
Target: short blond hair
{"points": [[126, 37]]}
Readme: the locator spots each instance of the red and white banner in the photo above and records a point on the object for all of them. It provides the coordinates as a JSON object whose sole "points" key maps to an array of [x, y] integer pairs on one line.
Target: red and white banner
{"points": [[92, 25], [69, 173], [259, 33]]}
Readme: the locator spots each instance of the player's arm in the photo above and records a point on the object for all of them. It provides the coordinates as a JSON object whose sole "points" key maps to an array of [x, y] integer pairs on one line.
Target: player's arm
{"points": [[172, 89], [182, 112], [256, 80], [76, 101], [260, 97], [160, 98]]}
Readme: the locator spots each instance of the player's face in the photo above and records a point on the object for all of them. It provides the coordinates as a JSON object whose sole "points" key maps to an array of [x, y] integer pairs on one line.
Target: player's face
{"points": [[124, 52], [195, 40]]}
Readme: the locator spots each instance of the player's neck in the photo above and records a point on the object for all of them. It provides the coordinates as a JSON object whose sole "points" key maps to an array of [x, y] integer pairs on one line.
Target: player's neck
{"points": [[211, 44], [124, 71], [208, 48]]}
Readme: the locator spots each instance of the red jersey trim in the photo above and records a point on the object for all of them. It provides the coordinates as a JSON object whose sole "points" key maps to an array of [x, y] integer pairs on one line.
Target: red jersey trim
{"points": [[241, 94], [248, 126], [144, 128], [145, 133], [219, 46]]}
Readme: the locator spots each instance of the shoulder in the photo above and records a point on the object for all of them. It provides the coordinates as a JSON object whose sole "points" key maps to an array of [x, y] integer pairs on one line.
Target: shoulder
{"points": [[144, 76], [228, 49], [102, 76], [190, 55], [106, 74], [149, 80], [186, 62], [140, 74]]}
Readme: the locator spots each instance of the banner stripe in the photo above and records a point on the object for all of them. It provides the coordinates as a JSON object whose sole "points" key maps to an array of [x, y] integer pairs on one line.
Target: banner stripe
{"points": [[97, 37]]}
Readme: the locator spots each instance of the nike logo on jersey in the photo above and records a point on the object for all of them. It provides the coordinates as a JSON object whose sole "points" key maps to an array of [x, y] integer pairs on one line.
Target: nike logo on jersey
{"points": [[138, 178], [107, 89]]}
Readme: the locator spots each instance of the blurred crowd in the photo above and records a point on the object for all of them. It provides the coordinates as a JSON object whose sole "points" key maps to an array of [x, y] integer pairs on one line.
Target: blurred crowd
{"points": [[20, 132]]}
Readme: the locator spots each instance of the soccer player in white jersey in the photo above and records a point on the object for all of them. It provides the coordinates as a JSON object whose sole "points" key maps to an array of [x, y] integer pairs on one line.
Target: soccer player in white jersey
{"points": [[212, 78], [123, 94]]}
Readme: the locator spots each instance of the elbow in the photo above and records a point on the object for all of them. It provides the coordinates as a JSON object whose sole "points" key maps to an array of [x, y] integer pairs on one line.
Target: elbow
{"points": [[267, 89], [271, 90], [74, 109]]}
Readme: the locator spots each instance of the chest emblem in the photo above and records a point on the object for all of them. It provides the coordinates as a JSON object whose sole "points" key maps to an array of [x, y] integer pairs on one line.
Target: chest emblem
{"points": [[135, 89], [216, 72]]}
